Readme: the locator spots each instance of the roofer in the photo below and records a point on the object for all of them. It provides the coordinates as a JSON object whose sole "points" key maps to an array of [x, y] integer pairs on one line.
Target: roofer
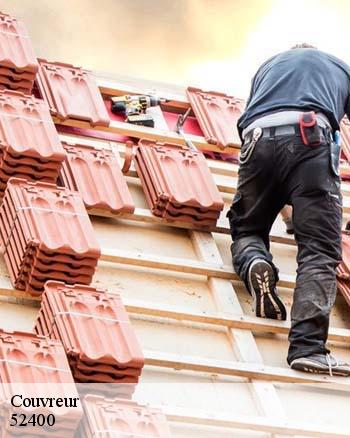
{"points": [[288, 156]]}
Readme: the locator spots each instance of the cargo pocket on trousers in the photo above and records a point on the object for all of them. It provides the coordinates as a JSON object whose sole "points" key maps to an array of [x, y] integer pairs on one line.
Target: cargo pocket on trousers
{"points": [[335, 199], [235, 211], [334, 158]]}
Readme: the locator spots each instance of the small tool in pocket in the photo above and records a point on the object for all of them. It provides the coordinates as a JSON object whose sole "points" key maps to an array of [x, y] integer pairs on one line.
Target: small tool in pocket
{"points": [[309, 129], [246, 154]]}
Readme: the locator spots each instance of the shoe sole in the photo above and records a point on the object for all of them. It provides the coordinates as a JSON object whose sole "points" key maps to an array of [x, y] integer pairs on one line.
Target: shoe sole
{"points": [[262, 282], [314, 369]]}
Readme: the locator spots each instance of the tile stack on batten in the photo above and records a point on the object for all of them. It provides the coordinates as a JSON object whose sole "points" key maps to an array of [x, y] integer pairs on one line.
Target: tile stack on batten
{"points": [[18, 63], [96, 333], [32, 366], [178, 184], [29, 144], [46, 234]]}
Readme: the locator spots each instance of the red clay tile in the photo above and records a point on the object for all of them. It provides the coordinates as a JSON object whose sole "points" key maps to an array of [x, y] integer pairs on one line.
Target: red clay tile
{"points": [[17, 347], [7, 171], [119, 418], [77, 315], [72, 93], [105, 368], [57, 217], [344, 289], [217, 115], [345, 137], [27, 127], [19, 90], [345, 264], [36, 164], [185, 173], [162, 203], [96, 175], [16, 84], [343, 270], [11, 73], [29, 143], [32, 365], [46, 234], [16, 50], [177, 183]]}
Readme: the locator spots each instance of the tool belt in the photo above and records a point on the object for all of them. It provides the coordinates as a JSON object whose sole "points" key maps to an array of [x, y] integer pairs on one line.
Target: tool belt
{"points": [[284, 130], [311, 134]]}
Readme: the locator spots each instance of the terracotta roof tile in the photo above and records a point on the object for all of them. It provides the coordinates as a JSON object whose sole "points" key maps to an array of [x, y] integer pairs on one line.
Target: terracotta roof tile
{"points": [[343, 270], [29, 366], [26, 348], [29, 143], [27, 127], [72, 92], [217, 115], [345, 137], [16, 50], [177, 183], [15, 76], [344, 289], [96, 175], [16, 84], [16, 55], [125, 417], [46, 234], [77, 315]]}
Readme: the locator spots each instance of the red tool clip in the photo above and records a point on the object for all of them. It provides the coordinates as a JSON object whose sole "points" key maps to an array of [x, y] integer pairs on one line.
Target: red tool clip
{"points": [[309, 129]]}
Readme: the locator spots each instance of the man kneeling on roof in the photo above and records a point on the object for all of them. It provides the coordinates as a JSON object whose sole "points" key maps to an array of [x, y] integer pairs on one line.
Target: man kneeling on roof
{"points": [[289, 156]]}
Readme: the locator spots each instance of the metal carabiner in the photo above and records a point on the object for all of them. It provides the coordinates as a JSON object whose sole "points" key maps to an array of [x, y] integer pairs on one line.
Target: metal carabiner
{"points": [[245, 156]]}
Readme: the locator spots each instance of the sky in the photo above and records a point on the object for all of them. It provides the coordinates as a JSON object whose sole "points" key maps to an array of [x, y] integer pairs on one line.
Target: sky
{"points": [[213, 44]]}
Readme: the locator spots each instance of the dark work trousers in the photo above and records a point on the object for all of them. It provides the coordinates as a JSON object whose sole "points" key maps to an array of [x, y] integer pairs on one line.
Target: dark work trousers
{"points": [[282, 170]]}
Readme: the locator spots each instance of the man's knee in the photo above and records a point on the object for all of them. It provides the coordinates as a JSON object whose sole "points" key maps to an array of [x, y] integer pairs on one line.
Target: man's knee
{"points": [[314, 297], [248, 243], [245, 249]]}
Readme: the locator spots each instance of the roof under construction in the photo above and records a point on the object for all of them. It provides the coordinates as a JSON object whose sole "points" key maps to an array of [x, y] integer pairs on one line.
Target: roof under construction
{"points": [[116, 265]]}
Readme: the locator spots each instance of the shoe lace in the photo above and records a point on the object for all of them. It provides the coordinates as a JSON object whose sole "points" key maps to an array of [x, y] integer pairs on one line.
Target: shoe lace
{"points": [[329, 363]]}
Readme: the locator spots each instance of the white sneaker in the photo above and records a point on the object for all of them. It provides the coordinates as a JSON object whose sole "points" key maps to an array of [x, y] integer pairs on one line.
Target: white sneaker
{"points": [[321, 364]]}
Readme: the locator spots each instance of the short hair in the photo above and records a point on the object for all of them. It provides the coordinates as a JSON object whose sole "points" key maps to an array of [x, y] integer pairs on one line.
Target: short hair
{"points": [[303, 46]]}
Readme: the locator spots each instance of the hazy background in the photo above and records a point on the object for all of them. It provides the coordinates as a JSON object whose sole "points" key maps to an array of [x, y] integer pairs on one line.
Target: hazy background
{"points": [[216, 44]]}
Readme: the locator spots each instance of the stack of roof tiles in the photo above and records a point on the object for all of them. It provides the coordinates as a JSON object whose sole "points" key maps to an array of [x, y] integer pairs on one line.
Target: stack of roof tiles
{"points": [[46, 234], [96, 175], [18, 64], [32, 366], [114, 418], [72, 93], [217, 115], [178, 184], [29, 143], [345, 148], [343, 270], [96, 333], [345, 137]]}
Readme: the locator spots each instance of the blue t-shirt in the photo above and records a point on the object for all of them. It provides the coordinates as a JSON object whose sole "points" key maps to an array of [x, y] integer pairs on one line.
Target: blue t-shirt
{"points": [[300, 79]]}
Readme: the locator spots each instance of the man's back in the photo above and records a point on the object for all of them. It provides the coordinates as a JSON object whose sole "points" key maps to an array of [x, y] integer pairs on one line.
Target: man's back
{"points": [[283, 162], [300, 79]]}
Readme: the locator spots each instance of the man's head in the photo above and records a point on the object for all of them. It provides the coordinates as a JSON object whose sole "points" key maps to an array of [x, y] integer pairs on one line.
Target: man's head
{"points": [[303, 46]]}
